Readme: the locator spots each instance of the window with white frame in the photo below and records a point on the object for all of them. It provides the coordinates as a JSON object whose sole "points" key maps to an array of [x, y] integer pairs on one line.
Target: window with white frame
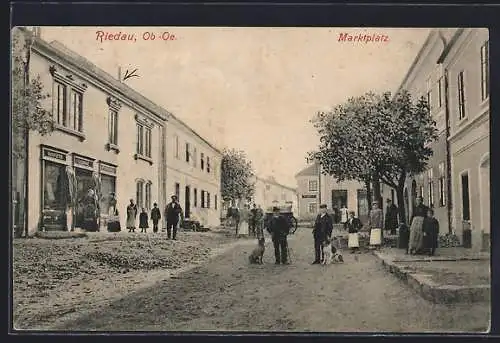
{"points": [[143, 140], [148, 195], [441, 185], [461, 95], [485, 71], [312, 207], [139, 194], [440, 89], [430, 183], [188, 155], [176, 146], [113, 126], [313, 185], [208, 164]]}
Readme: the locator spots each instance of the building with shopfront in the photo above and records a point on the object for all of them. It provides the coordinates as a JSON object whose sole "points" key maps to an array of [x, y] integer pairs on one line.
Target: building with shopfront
{"points": [[194, 173], [107, 135], [270, 193], [308, 192]]}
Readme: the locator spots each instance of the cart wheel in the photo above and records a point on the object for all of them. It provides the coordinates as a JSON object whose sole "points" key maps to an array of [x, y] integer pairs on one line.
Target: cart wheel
{"points": [[294, 225]]}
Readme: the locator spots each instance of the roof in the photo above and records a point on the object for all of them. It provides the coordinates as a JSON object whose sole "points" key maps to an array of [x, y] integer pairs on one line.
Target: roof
{"points": [[273, 181], [312, 170], [81, 63]]}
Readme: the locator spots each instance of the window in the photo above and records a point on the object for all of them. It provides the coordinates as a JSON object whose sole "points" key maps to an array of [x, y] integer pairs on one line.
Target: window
{"points": [[441, 185], [313, 185], [68, 111], [312, 207], [208, 164], [178, 191], [440, 92], [202, 199], [421, 191], [176, 146], [113, 127], [148, 196], [215, 201], [485, 72], [187, 152], [461, 96], [195, 196], [202, 161], [430, 183], [139, 194], [208, 200], [195, 157], [465, 197], [143, 140]]}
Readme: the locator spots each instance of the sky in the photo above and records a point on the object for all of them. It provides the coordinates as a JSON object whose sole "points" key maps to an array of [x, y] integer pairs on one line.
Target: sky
{"points": [[253, 89]]}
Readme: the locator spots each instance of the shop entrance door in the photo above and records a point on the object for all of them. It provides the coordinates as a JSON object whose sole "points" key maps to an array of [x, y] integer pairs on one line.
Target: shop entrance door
{"points": [[84, 182]]}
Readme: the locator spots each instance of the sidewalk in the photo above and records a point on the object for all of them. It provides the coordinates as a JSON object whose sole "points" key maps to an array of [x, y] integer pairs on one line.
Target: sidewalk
{"points": [[453, 275]]}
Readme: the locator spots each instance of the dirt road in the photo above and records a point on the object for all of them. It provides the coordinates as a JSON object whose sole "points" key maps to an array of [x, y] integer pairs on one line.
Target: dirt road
{"points": [[229, 294]]}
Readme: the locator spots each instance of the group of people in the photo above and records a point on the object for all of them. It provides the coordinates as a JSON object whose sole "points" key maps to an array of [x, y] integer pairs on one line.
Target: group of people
{"points": [[247, 222], [424, 230], [173, 215]]}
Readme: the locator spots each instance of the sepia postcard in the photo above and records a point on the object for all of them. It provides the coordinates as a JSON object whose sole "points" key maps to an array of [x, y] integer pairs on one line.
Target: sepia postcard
{"points": [[259, 179]]}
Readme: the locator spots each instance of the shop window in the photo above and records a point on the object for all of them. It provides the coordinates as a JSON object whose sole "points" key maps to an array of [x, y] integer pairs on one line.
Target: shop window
{"points": [[54, 186], [108, 184]]}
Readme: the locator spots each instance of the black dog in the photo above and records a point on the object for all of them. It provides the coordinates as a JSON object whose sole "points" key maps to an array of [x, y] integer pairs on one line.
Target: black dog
{"points": [[257, 253]]}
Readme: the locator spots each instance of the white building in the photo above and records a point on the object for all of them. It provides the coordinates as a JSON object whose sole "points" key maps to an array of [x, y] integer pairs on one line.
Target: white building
{"points": [[269, 193]]}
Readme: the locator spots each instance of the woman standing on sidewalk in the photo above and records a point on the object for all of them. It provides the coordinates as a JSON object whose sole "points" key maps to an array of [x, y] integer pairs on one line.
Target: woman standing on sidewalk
{"points": [[244, 218], [353, 225], [376, 224], [416, 228]]}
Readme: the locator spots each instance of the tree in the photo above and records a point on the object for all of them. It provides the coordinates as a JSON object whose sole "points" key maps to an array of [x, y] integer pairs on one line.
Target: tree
{"points": [[237, 176], [376, 137], [28, 113]]}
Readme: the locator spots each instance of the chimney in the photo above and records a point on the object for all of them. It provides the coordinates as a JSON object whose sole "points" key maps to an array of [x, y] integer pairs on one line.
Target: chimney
{"points": [[120, 73]]}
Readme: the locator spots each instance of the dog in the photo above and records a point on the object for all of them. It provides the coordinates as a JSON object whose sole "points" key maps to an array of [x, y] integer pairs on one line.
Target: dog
{"points": [[331, 253], [257, 253]]}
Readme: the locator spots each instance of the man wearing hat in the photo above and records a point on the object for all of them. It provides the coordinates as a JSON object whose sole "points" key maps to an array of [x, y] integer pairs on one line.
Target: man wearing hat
{"points": [[173, 212], [323, 227], [279, 228], [391, 217]]}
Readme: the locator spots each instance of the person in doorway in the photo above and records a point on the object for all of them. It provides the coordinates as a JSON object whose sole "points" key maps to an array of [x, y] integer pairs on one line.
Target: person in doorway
{"points": [[131, 216], [155, 217], [143, 221], [391, 218], [416, 227], [431, 233], [173, 213], [353, 226], [113, 215], [323, 228], [236, 220], [279, 229], [90, 212], [376, 223]]}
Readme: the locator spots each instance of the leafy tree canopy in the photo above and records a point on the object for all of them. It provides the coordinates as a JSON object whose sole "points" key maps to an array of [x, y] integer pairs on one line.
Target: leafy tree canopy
{"points": [[237, 176]]}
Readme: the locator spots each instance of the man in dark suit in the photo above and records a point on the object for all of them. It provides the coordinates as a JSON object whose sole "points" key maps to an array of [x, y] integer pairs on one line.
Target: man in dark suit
{"points": [[155, 217], [279, 228], [173, 212], [322, 231], [391, 217]]}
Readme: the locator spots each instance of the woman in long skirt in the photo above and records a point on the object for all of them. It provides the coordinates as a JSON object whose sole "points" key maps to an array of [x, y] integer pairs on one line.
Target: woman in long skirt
{"points": [[131, 216], [244, 218], [376, 225], [415, 243], [353, 225]]}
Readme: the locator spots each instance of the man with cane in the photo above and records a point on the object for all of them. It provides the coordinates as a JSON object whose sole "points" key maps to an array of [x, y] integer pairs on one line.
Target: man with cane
{"points": [[322, 231], [279, 228]]}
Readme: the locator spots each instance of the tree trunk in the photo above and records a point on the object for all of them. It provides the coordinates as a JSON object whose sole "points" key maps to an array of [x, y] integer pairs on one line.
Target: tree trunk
{"points": [[377, 196], [369, 194], [401, 204]]}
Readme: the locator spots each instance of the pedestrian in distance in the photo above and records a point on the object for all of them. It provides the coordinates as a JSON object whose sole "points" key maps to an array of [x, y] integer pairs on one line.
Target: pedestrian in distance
{"points": [[259, 222], [415, 243], [376, 224], [236, 220], [173, 213], [155, 217], [391, 218], [323, 228], [431, 232], [252, 220], [243, 229], [279, 229], [131, 216], [353, 226], [143, 221]]}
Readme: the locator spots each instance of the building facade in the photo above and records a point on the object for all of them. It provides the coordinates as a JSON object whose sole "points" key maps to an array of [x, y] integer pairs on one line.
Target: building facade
{"points": [[269, 193], [112, 140], [193, 169], [467, 67], [308, 192]]}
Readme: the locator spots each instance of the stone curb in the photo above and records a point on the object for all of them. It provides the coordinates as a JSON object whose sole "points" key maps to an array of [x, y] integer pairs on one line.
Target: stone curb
{"points": [[430, 290]]}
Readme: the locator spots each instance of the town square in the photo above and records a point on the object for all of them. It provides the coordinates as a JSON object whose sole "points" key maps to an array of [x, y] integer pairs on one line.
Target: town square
{"points": [[250, 179]]}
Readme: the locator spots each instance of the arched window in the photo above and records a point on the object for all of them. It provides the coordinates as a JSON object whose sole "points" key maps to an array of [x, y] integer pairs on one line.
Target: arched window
{"points": [[148, 195], [139, 194]]}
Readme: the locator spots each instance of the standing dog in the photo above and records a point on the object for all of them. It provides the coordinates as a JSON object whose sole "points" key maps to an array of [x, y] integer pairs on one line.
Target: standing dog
{"points": [[330, 253], [257, 253]]}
